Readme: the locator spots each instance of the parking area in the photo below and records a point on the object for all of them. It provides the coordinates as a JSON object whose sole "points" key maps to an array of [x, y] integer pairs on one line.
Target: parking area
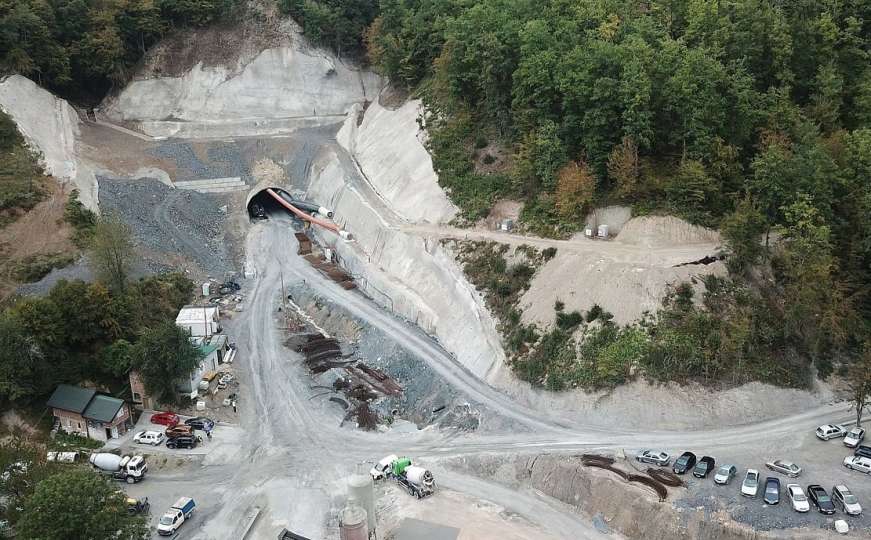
{"points": [[225, 437], [821, 463]]}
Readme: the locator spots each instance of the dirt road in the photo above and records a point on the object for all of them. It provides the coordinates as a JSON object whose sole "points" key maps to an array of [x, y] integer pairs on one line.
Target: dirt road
{"points": [[294, 449]]}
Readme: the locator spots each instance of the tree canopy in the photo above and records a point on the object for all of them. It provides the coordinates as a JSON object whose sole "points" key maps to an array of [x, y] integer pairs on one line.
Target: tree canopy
{"points": [[81, 47], [79, 504]]}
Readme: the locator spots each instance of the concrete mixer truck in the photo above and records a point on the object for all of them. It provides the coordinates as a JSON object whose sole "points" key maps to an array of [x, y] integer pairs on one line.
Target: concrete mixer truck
{"points": [[418, 481], [125, 468]]}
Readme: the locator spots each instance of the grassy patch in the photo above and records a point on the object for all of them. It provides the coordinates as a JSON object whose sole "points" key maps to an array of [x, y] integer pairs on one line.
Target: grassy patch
{"points": [[36, 267], [82, 220], [734, 337], [69, 442]]}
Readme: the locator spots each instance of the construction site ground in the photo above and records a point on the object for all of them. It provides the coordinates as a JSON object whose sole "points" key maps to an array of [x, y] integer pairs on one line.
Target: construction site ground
{"points": [[505, 459], [291, 452]]}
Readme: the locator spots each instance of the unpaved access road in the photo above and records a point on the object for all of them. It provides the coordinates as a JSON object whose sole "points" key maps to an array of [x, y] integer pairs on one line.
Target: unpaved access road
{"points": [[291, 462]]}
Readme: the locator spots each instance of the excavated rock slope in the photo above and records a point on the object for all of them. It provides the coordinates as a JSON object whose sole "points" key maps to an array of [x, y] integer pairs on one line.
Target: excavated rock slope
{"points": [[51, 127], [388, 145], [278, 89], [413, 276]]}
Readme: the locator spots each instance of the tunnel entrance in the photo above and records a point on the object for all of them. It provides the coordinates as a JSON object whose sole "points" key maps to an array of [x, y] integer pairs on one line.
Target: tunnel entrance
{"points": [[262, 204]]}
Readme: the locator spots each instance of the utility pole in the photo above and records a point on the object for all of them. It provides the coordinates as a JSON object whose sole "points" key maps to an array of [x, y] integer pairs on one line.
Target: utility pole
{"points": [[283, 300]]}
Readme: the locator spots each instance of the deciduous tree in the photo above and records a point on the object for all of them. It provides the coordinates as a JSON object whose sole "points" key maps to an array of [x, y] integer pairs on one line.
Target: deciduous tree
{"points": [[163, 356], [575, 188], [79, 504], [112, 251]]}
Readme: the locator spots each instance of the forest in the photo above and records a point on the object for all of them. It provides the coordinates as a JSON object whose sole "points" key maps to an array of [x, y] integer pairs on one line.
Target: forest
{"points": [[750, 116], [81, 48]]}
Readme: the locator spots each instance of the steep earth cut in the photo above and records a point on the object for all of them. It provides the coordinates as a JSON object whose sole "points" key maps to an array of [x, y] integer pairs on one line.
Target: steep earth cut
{"points": [[51, 127], [409, 274], [276, 91], [388, 146]]}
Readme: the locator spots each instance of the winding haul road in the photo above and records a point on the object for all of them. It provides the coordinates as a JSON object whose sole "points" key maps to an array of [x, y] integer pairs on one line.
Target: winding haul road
{"points": [[294, 450]]}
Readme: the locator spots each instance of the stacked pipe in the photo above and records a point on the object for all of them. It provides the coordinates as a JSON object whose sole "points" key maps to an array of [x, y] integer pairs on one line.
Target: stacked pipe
{"points": [[300, 209], [607, 463]]}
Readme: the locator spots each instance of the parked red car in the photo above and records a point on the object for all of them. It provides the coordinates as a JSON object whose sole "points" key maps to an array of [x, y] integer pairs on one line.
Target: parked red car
{"points": [[165, 418]]}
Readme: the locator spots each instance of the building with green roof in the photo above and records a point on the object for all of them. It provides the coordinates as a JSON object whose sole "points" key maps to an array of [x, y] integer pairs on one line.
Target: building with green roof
{"points": [[85, 412]]}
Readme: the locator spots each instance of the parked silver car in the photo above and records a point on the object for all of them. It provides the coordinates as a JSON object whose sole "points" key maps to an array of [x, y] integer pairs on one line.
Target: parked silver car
{"points": [[830, 431], [843, 497], [854, 437], [655, 457], [788, 468], [725, 474]]}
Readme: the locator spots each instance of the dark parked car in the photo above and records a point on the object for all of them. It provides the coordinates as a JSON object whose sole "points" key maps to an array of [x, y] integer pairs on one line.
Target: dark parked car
{"points": [[684, 463], [184, 441], [703, 467], [863, 451], [772, 490], [178, 430], [201, 423], [821, 499]]}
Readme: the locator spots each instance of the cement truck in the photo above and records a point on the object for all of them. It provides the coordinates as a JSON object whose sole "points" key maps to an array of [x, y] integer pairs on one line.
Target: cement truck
{"points": [[418, 481], [130, 469]]}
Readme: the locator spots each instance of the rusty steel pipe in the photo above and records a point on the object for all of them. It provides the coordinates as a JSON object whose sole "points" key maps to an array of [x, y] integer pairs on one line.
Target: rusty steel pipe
{"points": [[329, 225]]}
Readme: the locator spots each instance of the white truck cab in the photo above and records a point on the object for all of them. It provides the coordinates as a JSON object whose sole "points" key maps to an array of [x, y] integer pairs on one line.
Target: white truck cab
{"points": [[177, 514], [382, 468]]}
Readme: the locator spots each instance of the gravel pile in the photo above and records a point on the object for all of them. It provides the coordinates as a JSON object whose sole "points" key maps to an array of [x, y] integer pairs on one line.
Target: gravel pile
{"points": [[169, 221], [223, 159], [78, 270]]}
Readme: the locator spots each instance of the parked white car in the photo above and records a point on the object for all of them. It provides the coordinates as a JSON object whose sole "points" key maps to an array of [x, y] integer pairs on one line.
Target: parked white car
{"points": [[750, 485], [854, 437], [831, 431], [154, 438], [843, 497], [858, 463], [797, 498]]}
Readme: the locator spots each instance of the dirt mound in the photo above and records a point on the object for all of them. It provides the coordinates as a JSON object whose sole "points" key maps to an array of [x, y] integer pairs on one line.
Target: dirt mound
{"points": [[664, 231]]}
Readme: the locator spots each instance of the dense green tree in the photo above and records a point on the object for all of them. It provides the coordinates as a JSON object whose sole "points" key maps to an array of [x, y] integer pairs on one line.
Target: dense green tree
{"points": [[743, 231], [112, 251], [164, 355], [79, 504], [23, 368]]}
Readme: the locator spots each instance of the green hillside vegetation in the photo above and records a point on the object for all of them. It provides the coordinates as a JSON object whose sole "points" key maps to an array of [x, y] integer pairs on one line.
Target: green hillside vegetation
{"points": [[82, 332], [81, 48], [21, 176], [750, 116]]}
